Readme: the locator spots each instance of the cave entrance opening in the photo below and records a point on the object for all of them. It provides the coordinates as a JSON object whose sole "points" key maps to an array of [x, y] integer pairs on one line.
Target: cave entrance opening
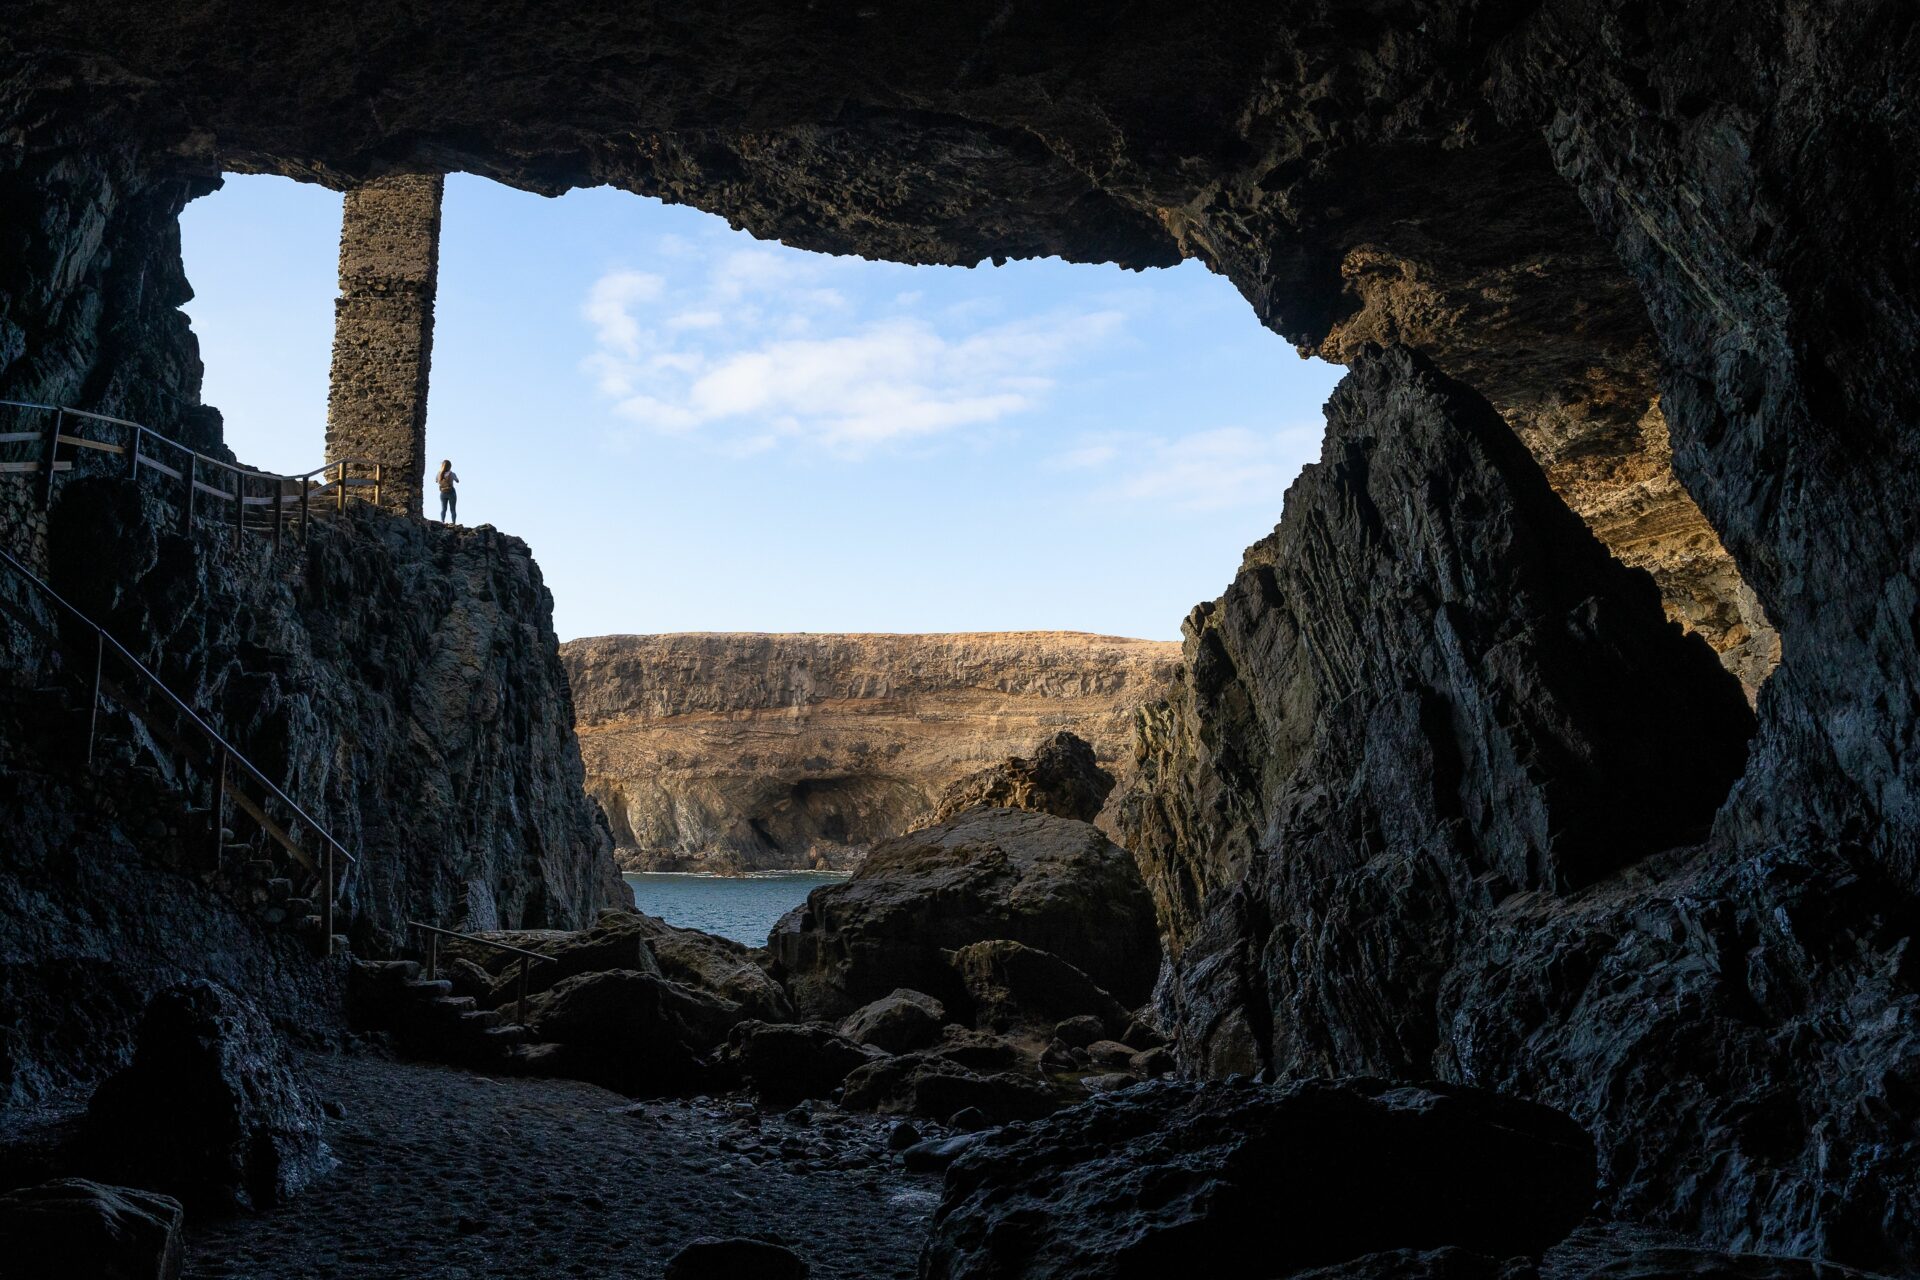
{"points": [[697, 430]]}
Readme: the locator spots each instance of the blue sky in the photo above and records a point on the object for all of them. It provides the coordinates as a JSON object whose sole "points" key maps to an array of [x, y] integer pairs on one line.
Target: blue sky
{"points": [[699, 431]]}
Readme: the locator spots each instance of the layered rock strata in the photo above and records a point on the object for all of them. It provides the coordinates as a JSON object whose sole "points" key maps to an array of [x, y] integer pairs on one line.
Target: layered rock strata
{"points": [[733, 753], [1432, 802]]}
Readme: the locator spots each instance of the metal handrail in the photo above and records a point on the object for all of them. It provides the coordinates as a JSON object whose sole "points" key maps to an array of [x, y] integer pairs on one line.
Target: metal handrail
{"points": [[165, 439], [434, 933], [298, 488], [225, 753]]}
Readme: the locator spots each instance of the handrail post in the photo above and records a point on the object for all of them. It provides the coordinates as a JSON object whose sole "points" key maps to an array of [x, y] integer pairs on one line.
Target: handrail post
{"points": [[306, 489], [330, 891], [133, 453], [433, 956], [93, 708], [279, 500], [379, 474], [520, 1006], [186, 512], [219, 804], [340, 491], [53, 454], [239, 507]]}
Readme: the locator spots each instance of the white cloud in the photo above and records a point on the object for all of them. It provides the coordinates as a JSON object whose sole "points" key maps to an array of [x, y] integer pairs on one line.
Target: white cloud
{"points": [[610, 307], [1211, 470], [758, 346]]}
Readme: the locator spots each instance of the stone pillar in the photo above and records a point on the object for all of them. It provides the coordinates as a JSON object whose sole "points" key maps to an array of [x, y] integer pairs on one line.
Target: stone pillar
{"points": [[383, 332]]}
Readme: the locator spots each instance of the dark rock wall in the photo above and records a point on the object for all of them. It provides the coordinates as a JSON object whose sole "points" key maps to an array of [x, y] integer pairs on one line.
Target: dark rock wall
{"points": [[400, 678], [1430, 689], [1754, 168], [90, 274]]}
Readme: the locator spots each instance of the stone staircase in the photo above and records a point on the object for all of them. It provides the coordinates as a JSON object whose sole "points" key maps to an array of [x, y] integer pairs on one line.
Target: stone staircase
{"points": [[427, 1020]]}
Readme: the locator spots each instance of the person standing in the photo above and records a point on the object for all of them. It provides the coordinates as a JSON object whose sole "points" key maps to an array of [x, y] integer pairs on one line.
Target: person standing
{"points": [[449, 498]]}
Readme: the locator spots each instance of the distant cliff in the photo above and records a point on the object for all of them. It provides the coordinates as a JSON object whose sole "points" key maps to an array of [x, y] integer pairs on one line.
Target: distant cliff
{"points": [[730, 752]]}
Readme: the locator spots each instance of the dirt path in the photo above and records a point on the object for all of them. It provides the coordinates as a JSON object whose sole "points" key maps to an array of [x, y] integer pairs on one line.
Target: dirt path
{"points": [[447, 1175]]}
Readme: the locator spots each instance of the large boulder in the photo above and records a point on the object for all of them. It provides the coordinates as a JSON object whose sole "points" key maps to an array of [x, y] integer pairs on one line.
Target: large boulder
{"points": [[1012, 988], [900, 1022], [631, 940], [1267, 1180], [785, 1062], [211, 1110], [1060, 777], [634, 1032], [1048, 882], [71, 1227], [614, 941], [736, 1258], [720, 967]]}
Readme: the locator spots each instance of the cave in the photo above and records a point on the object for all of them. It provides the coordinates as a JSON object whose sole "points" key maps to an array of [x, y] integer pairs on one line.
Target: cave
{"points": [[1563, 742]]}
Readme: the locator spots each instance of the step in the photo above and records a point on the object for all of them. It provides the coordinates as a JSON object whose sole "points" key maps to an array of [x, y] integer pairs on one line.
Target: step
{"points": [[507, 1035], [480, 1019], [452, 1006], [402, 970], [430, 987]]}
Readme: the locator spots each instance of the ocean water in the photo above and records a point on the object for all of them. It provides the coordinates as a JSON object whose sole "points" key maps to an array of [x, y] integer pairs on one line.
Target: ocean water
{"points": [[743, 908]]}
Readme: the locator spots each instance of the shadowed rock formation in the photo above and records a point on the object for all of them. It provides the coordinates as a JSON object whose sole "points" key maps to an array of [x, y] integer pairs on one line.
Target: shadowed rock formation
{"points": [[1261, 1181], [211, 1110], [729, 753]]}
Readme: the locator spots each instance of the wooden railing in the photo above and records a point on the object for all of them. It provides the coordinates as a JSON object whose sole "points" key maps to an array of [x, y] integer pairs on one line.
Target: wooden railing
{"points": [[527, 958], [260, 500], [229, 770]]}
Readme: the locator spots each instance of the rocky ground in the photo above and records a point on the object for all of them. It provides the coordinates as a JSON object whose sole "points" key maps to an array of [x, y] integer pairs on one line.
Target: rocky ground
{"points": [[445, 1174]]}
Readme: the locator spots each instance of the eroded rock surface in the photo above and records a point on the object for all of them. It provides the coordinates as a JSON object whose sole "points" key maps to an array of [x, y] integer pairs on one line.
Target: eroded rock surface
{"points": [[734, 753], [1050, 883]]}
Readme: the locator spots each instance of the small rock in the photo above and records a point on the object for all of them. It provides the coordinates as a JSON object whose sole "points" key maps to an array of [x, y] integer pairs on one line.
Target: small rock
{"points": [[902, 1136], [1080, 1031], [969, 1120], [1149, 1063], [1141, 1034], [898, 1023], [935, 1155], [1107, 1082], [1109, 1053], [738, 1258]]}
